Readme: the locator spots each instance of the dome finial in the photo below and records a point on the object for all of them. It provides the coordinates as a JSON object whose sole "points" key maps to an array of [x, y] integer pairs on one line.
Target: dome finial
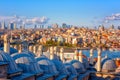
{"points": [[81, 56], [6, 43], [62, 54], [99, 60], [51, 53], [76, 54]]}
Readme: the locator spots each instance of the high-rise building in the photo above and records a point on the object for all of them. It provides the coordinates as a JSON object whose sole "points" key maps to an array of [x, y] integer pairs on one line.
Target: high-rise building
{"points": [[64, 25], [11, 26], [3, 25], [35, 26], [15, 26], [55, 25]]}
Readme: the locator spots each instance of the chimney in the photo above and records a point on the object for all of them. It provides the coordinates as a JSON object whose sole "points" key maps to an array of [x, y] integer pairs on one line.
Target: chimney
{"points": [[99, 60], [6, 44], [15, 46], [31, 48], [55, 50], [34, 49], [62, 54], [91, 56], [76, 55], [40, 51], [80, 56], [20, 48], [51, 53]]}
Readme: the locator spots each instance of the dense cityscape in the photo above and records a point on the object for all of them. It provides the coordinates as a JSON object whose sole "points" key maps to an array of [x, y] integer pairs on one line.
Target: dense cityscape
{"points": [[59, 40], [66, 35]]}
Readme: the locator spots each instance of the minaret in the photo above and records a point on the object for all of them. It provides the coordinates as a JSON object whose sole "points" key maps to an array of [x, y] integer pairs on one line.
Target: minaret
{"points": [[76, 55], [6, 44], [62, 54], [99, 60], [80, 56], [40, 51], [51, 53], [91, 56]]}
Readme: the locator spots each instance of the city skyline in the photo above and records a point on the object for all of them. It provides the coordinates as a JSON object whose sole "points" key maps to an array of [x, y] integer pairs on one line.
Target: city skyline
{"points": [[79, 12]]}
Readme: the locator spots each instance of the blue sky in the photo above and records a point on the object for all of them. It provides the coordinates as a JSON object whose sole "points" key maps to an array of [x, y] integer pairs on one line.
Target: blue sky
{"points": [[75, 12]]}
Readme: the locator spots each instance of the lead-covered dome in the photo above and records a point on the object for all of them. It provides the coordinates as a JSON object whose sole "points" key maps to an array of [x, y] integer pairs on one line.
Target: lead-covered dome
{"points": [[78, 66], [85, 63], [71, 70], [12, 67], [27, 63], [47, 66], [109, 66], [60, 68]]}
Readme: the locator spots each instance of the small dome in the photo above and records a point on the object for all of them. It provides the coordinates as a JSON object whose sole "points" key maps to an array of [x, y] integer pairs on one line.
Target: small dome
{"points": [[109, 65], [60, 67], [12, 66], [27, 63], [78, 66], [118, 70], [85, 63], [70, 68], [104, 59], [47, 65]]}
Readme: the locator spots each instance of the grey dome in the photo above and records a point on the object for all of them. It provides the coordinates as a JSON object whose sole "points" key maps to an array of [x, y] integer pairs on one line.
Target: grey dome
{"points": [[104, 59], [27, 63], [85, 63], [109, 65], [78, 66], [12, 67], [47, 65], [71, 70], [60, 68]]}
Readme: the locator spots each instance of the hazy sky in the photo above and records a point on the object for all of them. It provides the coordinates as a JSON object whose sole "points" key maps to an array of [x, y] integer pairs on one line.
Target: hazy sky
{"points": [[76, 12]]}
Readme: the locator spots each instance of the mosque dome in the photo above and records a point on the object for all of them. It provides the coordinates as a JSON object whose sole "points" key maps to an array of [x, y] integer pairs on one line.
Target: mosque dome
{"points": [[109, 66], [47, 65], [12, 67], [27, 63], [71, 70], [78, 66], [85, 63], [104, 59], [60, 68]]}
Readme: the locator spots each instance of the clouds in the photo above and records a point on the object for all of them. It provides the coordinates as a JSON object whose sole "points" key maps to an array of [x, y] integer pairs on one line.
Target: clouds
{"points": [[113, 17], [24, 20]]}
